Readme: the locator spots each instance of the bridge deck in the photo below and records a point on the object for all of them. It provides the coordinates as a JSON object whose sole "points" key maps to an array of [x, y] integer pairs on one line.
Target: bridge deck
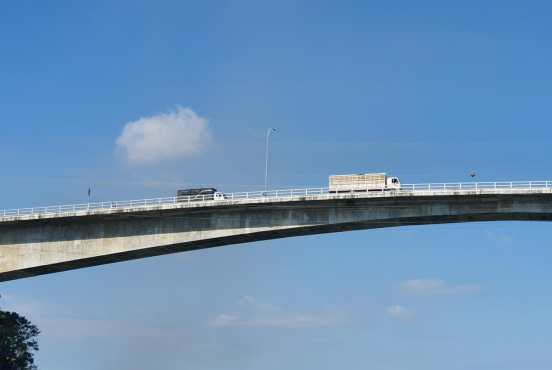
{"points": [[273, 196], [44, 240]]}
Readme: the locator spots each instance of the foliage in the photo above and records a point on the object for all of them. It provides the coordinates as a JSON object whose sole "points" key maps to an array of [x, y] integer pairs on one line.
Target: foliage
{"points": [[18, 342]]}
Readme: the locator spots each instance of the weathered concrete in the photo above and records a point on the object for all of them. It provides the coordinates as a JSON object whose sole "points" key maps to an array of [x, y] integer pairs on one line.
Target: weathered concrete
{"points": [[41, 246]]}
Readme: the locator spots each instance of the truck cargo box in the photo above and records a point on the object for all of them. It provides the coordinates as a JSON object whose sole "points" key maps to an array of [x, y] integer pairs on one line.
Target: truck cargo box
{"points": [[361, 182]]}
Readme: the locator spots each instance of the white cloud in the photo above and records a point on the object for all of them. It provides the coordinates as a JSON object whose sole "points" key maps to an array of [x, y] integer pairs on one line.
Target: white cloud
{"points": [[258, 314], [26, 306], [432, 287], [249, 302], [55, 320], [173, 135], [67, 327], [399, 312]]}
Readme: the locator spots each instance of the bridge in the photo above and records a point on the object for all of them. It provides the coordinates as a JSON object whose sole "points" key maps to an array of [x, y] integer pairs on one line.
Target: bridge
{"points": [[41, 240]]}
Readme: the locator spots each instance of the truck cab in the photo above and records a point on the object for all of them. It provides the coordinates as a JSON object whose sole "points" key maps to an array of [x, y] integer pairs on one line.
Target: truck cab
{"points": [[392, 183]]}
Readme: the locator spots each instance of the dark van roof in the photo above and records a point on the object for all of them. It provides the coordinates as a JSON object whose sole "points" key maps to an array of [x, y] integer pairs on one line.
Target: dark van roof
{"points": [[196, 191]]}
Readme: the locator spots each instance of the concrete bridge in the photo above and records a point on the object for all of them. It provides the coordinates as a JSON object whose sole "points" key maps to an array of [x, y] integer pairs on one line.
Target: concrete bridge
{"points": [[43, 240]]}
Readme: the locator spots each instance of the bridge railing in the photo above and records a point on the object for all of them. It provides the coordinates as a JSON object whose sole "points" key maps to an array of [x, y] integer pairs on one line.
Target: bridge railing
{"points": [[497, 185], [273, 195]]}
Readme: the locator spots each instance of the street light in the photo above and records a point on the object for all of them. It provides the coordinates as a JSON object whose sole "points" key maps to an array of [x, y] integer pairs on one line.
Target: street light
{"points": [[268, 132]]}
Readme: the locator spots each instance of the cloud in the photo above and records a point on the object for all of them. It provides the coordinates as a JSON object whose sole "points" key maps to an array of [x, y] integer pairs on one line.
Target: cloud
{"points": [[249, 302], [26, 306], [66, 327], [433, 287], [166, 136], [399, 312], [258, 314], [54, 320]]}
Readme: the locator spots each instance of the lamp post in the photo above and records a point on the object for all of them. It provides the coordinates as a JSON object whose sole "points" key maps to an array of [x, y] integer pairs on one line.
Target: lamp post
{"points": [[268, 132]]}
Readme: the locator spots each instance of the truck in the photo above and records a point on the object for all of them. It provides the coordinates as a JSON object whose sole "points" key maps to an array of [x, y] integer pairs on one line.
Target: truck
{"points": [[198, 194], [363, 182]]}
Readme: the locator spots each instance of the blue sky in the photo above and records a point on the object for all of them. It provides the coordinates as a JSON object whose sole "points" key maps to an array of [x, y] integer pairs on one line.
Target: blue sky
{"points": [[427, 91]]}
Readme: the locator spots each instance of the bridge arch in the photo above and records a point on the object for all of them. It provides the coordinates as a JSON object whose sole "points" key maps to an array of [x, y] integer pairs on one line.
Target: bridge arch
{"points": [[45, 245]]}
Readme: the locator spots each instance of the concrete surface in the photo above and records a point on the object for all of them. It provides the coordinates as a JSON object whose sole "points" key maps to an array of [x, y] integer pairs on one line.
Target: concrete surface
{"points": [[51, 244]]}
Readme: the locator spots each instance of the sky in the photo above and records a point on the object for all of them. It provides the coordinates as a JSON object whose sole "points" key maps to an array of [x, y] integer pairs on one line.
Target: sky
{"points": [[136, 99]]}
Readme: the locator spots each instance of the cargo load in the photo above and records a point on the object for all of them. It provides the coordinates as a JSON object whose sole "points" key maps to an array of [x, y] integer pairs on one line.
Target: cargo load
{"points": [[362, 182]]}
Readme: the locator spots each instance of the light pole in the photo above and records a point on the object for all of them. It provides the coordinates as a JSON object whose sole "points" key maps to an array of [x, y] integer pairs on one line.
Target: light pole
{"points": [[268, 132]]}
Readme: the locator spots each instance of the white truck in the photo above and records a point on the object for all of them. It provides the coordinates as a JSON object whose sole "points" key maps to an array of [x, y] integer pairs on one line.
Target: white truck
{"points": [[363, 182]]}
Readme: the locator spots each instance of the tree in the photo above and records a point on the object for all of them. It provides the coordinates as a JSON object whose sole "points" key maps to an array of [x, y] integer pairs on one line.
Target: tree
{"points": [[18, 342]]}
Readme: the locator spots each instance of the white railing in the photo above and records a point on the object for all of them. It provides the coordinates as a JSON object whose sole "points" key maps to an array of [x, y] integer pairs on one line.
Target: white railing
{"points": [[200, 200]]}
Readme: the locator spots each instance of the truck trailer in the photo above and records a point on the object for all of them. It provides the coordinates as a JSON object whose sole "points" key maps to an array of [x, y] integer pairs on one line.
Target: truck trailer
{"points": [[363, 182]]}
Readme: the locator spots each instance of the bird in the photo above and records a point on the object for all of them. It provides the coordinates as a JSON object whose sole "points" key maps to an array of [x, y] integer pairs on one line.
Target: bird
{"points": [[472, 174]]}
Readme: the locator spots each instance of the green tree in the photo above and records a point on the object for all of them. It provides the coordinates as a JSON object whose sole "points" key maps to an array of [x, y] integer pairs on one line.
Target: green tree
{"points": [[18, 342]]}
